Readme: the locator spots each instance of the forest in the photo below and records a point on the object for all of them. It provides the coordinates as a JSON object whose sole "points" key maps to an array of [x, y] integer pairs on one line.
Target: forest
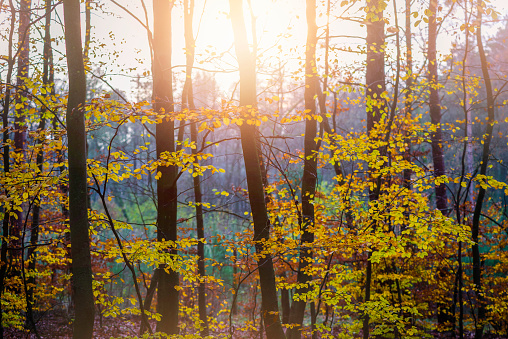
{"points": [[277, 169]]}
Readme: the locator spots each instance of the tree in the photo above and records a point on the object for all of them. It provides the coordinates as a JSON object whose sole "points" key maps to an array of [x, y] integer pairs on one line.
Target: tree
{"points": [[487, 138], [188, 99], [78, 213], [167, 192], [246, 62], [376, 110], [309, 177], [435, 108]]}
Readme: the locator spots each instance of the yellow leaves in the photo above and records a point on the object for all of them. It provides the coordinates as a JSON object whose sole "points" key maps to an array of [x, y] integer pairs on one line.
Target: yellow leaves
{"points": [[158, 175], [224, 193], [203, 126]]}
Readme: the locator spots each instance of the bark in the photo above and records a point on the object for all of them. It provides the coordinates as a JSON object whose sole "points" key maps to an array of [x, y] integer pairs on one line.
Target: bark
{"points": [[436, 136], [188, 97], [309, 174], [47, 78], [167, 295], [487, 138], [78, 213], [19, 117], [285, 301], [246, 61], [435, 110], [6, 162], [149, 296], [409, 91], [376, 106], [23, 69], [375, 71]]}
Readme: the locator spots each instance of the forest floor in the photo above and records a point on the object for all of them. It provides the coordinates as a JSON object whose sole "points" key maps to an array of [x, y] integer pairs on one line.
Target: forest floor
{"points": [[57, 326]]}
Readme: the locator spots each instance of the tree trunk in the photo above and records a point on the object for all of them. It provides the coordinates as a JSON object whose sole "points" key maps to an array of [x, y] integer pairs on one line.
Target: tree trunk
{"points": [[47, 78], [20, 118], [435, 109], [167, 295], [188, 97], [376, 106], [487, 138], [408, 91], [269, 302], [23, 69], [78, 213], [309, 177], [6, 163], [436, 137]]}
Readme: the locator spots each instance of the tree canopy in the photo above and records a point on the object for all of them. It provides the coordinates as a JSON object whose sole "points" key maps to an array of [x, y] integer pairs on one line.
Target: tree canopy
{"points": [[250, 169]]}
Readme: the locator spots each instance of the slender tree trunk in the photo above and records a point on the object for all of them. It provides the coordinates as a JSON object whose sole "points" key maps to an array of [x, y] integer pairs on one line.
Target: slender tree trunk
{"points": [[188, 97], [34, 235], [285, 301], [167, 295], [269, 302], [435, 109], [19, 117], [487, 138], [23, 69], [436, 136], [309, 177], [409, 90], [78, 213], [6, 163], [375, 81], [375, 71]]}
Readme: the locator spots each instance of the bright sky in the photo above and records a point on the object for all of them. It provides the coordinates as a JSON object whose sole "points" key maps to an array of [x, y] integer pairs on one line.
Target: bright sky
{"points": [[212, 28], [278, 23]]}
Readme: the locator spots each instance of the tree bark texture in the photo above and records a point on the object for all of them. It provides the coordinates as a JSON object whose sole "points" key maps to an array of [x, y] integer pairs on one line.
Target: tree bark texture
{"points": [[375, 107], [309, 176], [188, 97], [487, 138], [246, 62], [167, 294], [6, 164], [19, 117], [78, 213], [375, 71], [435, 109], [408, 91], [23, 69], [47, 81]]}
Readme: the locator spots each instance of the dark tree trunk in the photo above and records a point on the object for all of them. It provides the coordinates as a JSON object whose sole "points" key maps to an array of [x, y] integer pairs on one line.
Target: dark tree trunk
{"points": [[6, 163], [309, 173], [78, 213], [408, 91], [435, 110], [487, 138], [23, 69], [285, 301], [188, 97], [375, 70], [436, 137], [20, 118], [269, 302], [167, 294], [47, 78], [376, 106]]}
